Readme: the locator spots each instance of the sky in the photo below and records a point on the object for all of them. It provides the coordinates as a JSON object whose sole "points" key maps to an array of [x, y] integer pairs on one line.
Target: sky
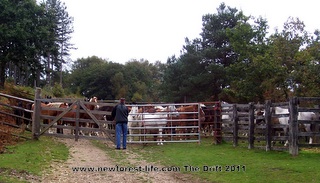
{"points": [[153, 30]]}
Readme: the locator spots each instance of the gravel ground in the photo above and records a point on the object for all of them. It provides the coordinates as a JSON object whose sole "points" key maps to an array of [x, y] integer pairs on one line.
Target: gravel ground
{"points": [[84, 154]]}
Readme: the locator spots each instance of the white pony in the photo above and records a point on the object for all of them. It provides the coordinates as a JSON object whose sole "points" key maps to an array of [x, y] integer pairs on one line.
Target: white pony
{"points": [[283, 121], [307, 116], [301, 116], [156, 120], [93, 107], [227, 114], [133, 121]]}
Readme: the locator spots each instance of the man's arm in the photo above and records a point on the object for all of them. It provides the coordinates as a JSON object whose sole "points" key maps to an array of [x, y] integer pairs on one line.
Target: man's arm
{"points": [[113, 113]]}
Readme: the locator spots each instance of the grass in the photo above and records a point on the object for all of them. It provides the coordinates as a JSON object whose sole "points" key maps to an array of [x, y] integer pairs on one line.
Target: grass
{"points": [[31, 157], [244, 165]]}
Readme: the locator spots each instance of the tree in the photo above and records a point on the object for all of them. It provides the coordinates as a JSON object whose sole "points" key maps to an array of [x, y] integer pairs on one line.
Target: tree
{"points": [[119, 88], [189, 76], [32, 38], [284, 63], [141, 77], [94, 76], [60, 28], [200, 74], [172, 81], [306, 73], [20, 32], [215, 43], [249, 43]]}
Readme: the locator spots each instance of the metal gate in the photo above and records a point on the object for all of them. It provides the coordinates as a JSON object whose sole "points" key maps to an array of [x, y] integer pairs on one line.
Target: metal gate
{"points": [[158, 123]]}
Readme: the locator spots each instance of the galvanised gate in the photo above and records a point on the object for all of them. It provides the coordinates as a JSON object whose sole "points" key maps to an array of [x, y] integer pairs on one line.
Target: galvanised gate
{"points": [[158, 123]]}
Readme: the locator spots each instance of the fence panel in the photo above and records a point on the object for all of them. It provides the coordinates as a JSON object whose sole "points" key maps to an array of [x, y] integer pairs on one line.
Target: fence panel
{"points": [[158, 123]]}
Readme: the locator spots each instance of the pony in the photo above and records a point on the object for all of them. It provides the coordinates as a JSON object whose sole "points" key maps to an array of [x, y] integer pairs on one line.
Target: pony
{"points": [[227, 114], [28, 114], [92, 106], [188, 116], [301, 116], [22, 114], [132, 117], [307, 116], [156, 120], [19, 112], [109, 125], [83, 115], [51, 113]]}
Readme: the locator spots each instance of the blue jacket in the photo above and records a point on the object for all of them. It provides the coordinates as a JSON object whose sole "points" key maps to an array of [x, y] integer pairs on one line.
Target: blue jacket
{"points": [[120, 113]]}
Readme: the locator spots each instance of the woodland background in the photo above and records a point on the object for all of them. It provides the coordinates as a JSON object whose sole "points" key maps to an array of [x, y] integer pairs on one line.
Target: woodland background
{"points": [[235, 59]]}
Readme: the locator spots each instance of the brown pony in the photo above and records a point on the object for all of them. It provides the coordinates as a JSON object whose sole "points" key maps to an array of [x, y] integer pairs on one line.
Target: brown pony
{"points": [[45, 111], [83, 115], [189, 112], [91, 107]]}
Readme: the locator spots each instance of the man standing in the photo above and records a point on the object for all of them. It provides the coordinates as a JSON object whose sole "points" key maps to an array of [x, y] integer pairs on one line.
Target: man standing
{"points": [[120, 115]]}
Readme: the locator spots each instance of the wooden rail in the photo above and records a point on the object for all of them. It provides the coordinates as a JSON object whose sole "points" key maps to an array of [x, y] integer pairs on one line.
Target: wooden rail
{"points": [[243, 119]]}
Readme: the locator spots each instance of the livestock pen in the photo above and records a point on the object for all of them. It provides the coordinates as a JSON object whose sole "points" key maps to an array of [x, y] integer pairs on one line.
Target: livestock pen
{"points": [[155, 123], [164, 122], [256, 123]]}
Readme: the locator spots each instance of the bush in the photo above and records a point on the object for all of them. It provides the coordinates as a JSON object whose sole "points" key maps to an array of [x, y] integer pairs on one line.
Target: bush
{"points": [[57, 90]]}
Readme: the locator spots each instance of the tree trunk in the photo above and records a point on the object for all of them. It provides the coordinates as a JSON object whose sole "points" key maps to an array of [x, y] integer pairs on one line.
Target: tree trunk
{"points": [[48, 69], [2, 73]]}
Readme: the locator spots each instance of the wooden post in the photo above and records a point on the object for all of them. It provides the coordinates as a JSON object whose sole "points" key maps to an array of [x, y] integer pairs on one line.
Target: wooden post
{"points": [[267, 118], [316, 126], [36, 115], [77, 121], [235, 125], [293, 127], [251, 126]]}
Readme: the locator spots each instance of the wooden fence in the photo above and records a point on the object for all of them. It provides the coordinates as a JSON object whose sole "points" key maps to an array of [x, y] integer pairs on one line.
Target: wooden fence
{"points": [[230, 122], [16, 112], [242, 124], [74, 121]]}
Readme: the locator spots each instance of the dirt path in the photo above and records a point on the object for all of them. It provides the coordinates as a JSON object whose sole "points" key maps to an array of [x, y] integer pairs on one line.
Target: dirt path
{"points": [[84, 154]]}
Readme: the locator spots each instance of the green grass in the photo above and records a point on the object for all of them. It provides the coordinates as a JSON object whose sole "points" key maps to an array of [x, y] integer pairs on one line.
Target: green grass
{"points": [[31, 157], [255, 165], [34, 157]]}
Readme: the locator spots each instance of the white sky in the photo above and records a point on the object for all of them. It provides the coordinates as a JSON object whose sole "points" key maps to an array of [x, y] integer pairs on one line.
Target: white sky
{"points": [[121, 30]]}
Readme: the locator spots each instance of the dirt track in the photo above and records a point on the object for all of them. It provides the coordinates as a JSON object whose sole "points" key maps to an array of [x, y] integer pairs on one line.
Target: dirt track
{"points": [[84, 154]]}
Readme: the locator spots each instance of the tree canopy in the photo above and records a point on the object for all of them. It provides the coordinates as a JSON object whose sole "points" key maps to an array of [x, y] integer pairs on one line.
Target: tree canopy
{"points": [[235, 59], [34, 41]]}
